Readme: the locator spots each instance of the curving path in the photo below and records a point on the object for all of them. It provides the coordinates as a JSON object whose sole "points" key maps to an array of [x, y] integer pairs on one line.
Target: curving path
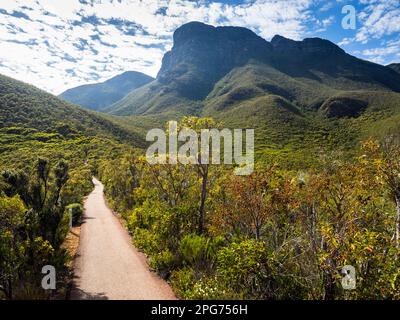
{"points": [[107, 265]]}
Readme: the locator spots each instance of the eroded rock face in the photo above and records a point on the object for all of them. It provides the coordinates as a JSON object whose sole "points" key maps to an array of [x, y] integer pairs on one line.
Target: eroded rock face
{"points": [[340, 107], [202, 54], [298, 58]]}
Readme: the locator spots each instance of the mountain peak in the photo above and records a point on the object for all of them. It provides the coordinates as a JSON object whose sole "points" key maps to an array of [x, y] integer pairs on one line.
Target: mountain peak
{"points": [[202, 54], [192, 30], [278, 39], [327, 45], [198, 31], [131, 76]]}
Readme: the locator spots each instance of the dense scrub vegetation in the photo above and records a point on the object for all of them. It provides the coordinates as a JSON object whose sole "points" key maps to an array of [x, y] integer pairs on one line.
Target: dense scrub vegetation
{"points": [[43, 177], [32, 228], [284, 232], [276, 234], [49, 151], [25, 109], [317, 201], [41, 184]]}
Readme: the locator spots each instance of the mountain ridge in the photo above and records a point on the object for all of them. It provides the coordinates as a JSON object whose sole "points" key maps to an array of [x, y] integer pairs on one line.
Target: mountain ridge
{"points": [[203, 55], [303, 97], [300, 96], [97, 96]]}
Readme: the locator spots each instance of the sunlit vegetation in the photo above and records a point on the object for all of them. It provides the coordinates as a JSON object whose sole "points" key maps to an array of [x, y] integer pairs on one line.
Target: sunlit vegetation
{"points": [[279, 233], [49, 151], [325, 192], [318, 200], [33, 226]]}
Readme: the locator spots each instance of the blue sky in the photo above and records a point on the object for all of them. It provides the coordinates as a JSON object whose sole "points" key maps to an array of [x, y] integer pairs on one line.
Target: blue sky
{"points": [[56, 45]]}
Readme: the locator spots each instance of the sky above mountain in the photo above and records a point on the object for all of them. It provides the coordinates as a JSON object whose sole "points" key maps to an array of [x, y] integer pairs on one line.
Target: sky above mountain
{"points": [[56, 45]]}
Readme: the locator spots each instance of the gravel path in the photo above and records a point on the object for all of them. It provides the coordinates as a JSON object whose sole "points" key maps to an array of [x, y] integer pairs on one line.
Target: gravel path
{"points": [[108, 266]]}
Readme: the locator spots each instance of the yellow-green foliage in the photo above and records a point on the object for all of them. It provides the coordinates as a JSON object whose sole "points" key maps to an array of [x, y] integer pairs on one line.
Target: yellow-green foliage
{"points": [[276, 234]]}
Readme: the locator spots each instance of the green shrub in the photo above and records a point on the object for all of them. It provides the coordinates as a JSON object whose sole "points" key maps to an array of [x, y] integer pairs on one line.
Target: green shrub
{"points": [[146, 241], [62, 230], [183, 281], [78, 185], [212, 289], [243, 266], [199, 251], [187, 286], [163, 263]]}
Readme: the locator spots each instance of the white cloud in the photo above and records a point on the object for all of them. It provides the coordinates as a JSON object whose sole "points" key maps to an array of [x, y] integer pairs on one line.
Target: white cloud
{"points": [[68, 43], [379, 18], [346, 41], [383, 54], [327, 6]]}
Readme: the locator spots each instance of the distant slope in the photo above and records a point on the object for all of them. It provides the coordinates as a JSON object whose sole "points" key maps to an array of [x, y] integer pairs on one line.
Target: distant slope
{"points": [[154, 98], [26, 107], [100, 95], [395, 67]]}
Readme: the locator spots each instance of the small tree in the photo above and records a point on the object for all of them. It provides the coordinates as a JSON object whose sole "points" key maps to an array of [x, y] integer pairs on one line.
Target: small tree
{"points": [[198, 124]]}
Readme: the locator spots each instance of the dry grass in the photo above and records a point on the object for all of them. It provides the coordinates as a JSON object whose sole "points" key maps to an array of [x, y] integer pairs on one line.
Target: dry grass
{"points": [[71, 243]]}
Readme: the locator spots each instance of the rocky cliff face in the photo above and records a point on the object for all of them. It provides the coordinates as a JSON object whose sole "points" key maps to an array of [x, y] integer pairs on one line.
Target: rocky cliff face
{"points": [[214, 51], [202, 54]]}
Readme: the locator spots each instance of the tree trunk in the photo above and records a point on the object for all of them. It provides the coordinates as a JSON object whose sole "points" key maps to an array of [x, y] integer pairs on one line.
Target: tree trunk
{"points": [[257, 231], [397, 223], [203, 199], [329, 286], [8, 289]]}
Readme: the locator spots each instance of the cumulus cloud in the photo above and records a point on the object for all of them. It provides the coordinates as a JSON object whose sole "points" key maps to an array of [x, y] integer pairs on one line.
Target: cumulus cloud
{"points": [[56, 45], [380, 21], [386, 54], [379, 18]]}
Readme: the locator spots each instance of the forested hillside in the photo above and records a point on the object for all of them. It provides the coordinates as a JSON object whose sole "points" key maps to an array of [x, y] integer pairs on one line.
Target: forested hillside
{"points": [[49, 151], [236, 65]]}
